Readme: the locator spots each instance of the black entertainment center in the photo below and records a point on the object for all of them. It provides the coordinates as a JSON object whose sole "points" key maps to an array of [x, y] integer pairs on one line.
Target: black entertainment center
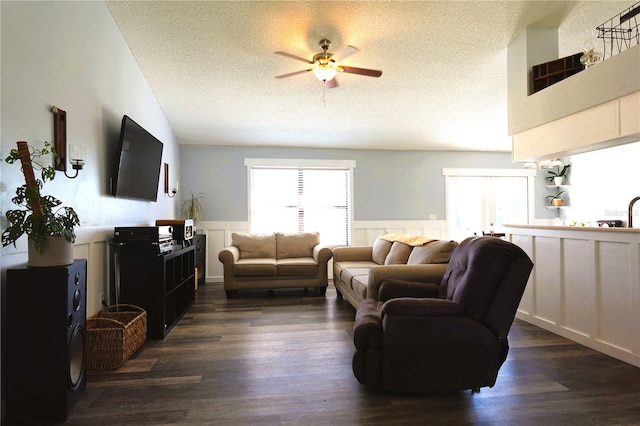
{"points": [[157, 277]]}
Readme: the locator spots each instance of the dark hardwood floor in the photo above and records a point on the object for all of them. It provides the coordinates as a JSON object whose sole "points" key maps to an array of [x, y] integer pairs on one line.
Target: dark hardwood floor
{"points": [[286, 359]]}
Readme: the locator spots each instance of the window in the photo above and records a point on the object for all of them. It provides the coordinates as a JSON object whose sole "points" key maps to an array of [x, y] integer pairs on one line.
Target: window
{"points": [[301, 196], [480, 200]]}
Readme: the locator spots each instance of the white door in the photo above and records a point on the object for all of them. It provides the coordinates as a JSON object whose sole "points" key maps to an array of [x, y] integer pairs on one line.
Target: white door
{"points": [[477, 204]]}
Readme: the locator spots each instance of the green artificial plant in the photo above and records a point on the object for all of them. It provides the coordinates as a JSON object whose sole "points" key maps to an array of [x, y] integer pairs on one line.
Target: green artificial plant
{"points": [[40, 216], [555, 197], [192, 208], [553, 174]]}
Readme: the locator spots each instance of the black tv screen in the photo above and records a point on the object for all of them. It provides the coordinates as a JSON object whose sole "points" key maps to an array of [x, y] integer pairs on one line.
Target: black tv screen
{"points": [[137, 171]]}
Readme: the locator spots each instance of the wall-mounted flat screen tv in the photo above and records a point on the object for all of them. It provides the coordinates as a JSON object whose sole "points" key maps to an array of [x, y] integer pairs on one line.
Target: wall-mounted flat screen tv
{"points": [[137, 171]]}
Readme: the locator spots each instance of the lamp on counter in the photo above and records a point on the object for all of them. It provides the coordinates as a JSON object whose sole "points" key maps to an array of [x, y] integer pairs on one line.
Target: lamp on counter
{"points": [[174, 190], [76, 152]]}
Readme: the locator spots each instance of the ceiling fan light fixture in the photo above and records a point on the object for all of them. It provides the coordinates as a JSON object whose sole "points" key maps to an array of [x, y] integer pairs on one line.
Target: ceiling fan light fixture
{"points": [[325, 72], [324, 65]]}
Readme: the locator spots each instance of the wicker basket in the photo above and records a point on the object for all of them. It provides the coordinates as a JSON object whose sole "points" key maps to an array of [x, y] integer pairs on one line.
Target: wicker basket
{"points": [[114, 334]]}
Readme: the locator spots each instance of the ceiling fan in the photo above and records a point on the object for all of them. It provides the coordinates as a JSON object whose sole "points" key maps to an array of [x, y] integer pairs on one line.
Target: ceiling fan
{"points": [[325, 67]]}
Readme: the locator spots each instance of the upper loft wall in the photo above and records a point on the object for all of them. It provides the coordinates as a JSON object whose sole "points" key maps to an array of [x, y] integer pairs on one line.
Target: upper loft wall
{"points": [[611, 79]]}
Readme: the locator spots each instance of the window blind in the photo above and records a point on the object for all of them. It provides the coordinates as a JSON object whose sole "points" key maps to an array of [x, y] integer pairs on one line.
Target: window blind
{"points": [[301, 200]]}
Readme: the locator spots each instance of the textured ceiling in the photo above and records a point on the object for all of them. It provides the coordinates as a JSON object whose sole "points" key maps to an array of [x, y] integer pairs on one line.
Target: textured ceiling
{"points": [[212, 65]]}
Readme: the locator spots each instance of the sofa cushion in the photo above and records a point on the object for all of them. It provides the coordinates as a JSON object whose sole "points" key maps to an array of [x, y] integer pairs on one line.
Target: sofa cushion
{"points": [[380, 250], [297, 266], [255, 267], [347, 275], [296, 245], [434, 252], [254, 246], [339, 268], [398, 254], [359, 285]]}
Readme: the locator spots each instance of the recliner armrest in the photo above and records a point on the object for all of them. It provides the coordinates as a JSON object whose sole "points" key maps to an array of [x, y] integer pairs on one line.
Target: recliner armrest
{"points": [[393, 289], [428, 273], [367, 327], [412, 307]]}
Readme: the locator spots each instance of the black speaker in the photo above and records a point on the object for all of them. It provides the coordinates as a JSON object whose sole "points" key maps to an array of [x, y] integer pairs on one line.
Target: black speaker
{"points": [[200, 241], [45, 335]]}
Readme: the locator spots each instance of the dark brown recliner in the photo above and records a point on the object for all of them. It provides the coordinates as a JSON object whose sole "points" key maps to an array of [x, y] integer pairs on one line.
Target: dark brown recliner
{"points": [[448, 336]]}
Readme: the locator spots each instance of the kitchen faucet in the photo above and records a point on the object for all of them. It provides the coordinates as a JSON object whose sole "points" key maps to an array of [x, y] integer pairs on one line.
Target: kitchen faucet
{"points": [[630, 223]]}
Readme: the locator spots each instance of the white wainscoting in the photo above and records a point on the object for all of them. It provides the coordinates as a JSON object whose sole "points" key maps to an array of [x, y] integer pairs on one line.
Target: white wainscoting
{"points": [[363, 233], [91, 244], [585, 286]]}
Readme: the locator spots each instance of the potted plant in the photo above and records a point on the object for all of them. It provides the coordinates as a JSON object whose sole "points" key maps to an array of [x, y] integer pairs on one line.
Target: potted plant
{"points": [[192, 208], [558, 177], [48, 225], [556, 200]]}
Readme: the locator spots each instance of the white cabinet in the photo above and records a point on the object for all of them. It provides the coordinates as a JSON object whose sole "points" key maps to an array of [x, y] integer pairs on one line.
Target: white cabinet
{"points": [[585, 285], [630, 115], [613, 123]]}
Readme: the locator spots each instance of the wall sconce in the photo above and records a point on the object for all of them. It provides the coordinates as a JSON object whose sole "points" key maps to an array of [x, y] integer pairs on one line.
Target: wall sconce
{"points": [[76, 152], [166, 183]]}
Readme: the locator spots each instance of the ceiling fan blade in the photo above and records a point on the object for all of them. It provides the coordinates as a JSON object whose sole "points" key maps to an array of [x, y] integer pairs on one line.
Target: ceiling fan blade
{"points": [[330, 84], [293, 73], [345, 52], [292, 56], [361, 71]]}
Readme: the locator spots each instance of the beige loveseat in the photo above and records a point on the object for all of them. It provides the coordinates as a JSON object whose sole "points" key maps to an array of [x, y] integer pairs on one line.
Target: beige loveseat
{"points": [[277, 260], [358, 271]]}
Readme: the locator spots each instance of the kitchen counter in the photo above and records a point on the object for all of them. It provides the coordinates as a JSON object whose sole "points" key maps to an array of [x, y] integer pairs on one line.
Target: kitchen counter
{"points": [[585, 285], [574, 228]]}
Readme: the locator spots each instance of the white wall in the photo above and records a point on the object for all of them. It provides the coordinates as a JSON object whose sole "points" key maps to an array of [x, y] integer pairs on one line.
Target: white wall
{"points": [[73, 56]]}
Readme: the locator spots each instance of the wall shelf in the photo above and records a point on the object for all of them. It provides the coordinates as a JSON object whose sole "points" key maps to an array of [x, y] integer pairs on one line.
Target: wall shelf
{"points": [[544, 75]]}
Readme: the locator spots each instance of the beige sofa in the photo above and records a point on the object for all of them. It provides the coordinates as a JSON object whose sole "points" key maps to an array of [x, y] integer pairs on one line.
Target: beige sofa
{"points": [[358, 271], [277, 260]]}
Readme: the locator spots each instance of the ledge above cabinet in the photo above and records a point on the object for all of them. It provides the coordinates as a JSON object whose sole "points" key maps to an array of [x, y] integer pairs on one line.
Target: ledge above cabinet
{"points": [[610, 124]]}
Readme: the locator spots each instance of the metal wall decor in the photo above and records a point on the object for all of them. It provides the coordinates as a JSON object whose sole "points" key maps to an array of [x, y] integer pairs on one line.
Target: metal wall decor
{"points": [[620, 32]]}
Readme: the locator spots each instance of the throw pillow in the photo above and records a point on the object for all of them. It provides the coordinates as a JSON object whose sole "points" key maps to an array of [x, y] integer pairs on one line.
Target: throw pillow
{"points": [[380, 250], [398, 254], [253, 246], [296, 244], [434, 252]]}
